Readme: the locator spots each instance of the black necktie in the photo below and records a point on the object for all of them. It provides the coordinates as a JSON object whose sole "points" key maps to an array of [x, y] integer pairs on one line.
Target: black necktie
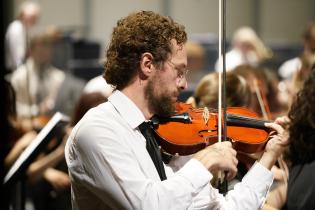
{"points": [[153, 148]]}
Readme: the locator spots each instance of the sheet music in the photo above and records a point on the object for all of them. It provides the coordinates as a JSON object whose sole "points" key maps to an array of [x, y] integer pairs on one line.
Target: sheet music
{"points": [[53, 122]]}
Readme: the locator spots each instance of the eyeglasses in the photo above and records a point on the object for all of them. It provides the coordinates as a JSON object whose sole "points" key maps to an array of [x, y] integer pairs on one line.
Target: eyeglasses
{"points": [[181, 72]]}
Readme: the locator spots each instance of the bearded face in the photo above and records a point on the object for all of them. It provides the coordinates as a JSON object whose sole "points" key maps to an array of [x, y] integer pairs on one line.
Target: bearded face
{"points": [[161, 100], [166, 82]]}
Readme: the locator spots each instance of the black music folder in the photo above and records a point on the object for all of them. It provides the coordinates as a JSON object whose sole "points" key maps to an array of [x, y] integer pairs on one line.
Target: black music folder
{"points": [[17, 170]]}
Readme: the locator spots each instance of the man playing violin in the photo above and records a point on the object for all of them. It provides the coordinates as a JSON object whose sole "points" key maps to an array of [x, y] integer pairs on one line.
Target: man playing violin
{"points": [[111, 163]]}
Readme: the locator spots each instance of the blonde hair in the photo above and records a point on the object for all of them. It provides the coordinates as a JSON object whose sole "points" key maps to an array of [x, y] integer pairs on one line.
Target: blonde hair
{"points": [[237, 92], [248, 35], [29, 8], [308, 62]]}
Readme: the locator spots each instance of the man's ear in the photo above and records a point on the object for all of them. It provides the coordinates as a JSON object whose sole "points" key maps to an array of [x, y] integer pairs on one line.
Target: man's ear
{"points": [[146, 64]]}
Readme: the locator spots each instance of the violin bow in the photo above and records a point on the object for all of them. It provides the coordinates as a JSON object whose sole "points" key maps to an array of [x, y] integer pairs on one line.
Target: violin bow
{"points": [[262, 99], [223, 185], [265, 109]]}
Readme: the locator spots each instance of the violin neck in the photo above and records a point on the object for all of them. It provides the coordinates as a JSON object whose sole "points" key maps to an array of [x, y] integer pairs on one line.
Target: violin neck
{"points": [[236, 120], [182, 118]]}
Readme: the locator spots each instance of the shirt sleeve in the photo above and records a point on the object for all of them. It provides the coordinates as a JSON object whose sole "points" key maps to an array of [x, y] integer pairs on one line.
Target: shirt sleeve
{"points": [[250, 194]]}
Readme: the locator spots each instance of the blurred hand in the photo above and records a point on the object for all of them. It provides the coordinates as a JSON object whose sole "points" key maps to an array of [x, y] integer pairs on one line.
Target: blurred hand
{"points": [[26, 139], [278, 173], [58, 179], [219, 156], [18, 148], [284, 121]]}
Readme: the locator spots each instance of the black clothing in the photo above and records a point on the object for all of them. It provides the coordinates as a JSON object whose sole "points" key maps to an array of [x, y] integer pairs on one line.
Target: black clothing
{"points": [[301, 188], [44, 196]]}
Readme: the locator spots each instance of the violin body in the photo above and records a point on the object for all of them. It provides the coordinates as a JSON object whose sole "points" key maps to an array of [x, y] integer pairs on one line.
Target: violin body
{"points": [[191, 130]]}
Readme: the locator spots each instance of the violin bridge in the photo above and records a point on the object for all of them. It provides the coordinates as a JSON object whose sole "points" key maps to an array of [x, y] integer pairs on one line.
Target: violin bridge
{"points": [[205, 115]]}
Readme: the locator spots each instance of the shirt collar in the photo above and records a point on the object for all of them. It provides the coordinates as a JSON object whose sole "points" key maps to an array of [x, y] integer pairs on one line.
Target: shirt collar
{"points": [[126, 108]]}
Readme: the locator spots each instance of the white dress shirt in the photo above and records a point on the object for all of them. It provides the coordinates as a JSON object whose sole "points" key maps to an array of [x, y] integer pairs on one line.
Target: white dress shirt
{"points": [[15, 44], [98, 84], [110, 168], [289, 67], [29, 81]]}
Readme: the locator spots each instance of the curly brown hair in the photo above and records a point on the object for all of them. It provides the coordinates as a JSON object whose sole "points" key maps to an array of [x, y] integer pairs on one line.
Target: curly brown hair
{"points": [[134, 35], [302, 126]]}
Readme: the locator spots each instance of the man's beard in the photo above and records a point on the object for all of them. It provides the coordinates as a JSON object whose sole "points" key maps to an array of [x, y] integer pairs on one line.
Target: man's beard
{"points": [[160, 105]]}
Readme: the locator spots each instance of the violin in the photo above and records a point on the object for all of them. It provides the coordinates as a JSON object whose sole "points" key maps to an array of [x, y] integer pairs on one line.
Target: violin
{"points": [[192, 129]]}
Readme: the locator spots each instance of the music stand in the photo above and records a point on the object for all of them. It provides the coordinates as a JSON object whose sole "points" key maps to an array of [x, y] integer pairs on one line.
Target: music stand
{"points": [[17, 174]]}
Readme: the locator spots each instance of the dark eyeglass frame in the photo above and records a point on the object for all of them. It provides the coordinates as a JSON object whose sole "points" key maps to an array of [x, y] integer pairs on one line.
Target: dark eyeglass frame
{"points": [[181, 72]]}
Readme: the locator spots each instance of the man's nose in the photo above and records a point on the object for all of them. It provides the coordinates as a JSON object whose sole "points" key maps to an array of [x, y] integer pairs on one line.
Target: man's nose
{"points": [[182, 83]]}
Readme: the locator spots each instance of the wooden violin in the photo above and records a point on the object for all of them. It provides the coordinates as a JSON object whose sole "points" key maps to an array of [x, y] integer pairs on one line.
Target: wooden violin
{"points": [[192, 129]]}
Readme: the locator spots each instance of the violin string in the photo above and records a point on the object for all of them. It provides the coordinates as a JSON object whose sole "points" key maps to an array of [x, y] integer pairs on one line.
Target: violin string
{"points": [[201, 110]]}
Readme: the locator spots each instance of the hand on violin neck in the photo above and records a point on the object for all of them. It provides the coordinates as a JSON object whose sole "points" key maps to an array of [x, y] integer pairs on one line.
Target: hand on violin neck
{"points": [[219, 156], [275, 146], [284, 121]]}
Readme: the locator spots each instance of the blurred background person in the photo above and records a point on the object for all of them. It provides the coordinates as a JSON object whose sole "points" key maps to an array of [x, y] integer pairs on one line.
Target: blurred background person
{"points": [[48, 184], [263, 83], [206, 93], [295, 83], [37, 82], [301, 151], [289, 67], [16, 38], [86, 102], [42, 167], [247, 48], [98, 84], [19, 137], [52, 190], [72, 86]]}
